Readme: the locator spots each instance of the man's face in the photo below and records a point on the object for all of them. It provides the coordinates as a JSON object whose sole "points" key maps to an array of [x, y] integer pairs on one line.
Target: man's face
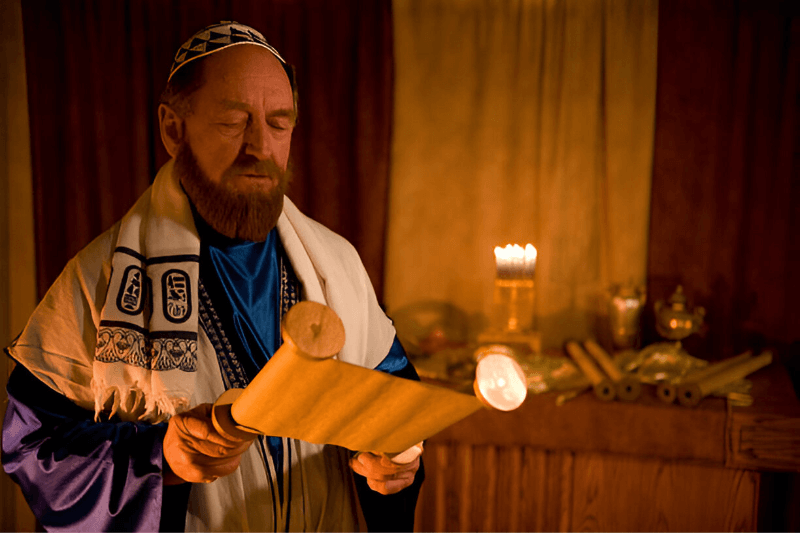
{"points": [[236, 142]]}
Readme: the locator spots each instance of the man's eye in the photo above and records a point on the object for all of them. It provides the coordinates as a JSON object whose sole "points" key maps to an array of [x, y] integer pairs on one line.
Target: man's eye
{"points": [[237, 125], [280, 124]]}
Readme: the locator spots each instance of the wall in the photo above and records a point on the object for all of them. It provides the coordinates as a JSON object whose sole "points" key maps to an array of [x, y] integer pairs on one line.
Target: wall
{"points": [[17, 263]]}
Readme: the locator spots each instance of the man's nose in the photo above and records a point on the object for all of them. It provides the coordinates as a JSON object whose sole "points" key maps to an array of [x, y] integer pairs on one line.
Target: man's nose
{"points": [[258, 140]]}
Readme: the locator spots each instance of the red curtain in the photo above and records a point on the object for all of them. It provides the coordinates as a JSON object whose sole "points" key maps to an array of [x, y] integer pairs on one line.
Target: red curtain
{"points": [[724, 216], [96, 69]]}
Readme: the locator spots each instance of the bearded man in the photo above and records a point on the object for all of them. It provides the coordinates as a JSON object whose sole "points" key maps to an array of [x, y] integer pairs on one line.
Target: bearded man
{"points": [[108, 426]]}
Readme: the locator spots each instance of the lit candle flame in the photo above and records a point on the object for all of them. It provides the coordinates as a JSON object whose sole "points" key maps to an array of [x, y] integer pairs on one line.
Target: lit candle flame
{"points": [[514, 261]]}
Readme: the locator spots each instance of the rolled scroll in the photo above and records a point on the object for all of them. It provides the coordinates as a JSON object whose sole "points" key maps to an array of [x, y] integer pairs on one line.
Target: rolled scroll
{"points": [[667, 391], [628, 387], [603, 387], [303, 393], [690, 394]]}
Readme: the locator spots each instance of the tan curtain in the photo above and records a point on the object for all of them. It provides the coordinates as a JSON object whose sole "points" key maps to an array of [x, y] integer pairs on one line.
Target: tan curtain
{"points": [[516, 122], [17, 264]]}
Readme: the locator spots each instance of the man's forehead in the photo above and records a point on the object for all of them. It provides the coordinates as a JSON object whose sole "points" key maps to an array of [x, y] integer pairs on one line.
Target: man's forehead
{"points": [[246, 69]]}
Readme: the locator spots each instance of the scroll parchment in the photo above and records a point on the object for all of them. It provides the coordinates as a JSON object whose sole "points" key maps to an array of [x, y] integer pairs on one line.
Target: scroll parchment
{"points": [[303, 393]]}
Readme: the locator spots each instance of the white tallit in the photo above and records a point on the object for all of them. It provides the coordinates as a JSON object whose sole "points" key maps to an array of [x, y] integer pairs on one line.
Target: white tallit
{"points": [[158, 239]]}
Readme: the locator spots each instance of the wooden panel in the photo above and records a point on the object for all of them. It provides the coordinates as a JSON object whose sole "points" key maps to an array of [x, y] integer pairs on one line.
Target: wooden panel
{"points": [[647, 427], [502, 488], [493, 488], [617, 493], [590, 465], [766, 436], [764, 441]]}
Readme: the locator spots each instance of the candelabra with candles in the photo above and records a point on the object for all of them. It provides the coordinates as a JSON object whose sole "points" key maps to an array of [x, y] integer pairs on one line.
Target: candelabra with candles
{"points": [[513, 320]]}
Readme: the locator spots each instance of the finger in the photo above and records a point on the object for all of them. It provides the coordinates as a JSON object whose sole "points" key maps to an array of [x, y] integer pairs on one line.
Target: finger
{"points": [[400, 467], [202, 410], [212, 449], [370, 473], [200, 469], [370, 465], [389, 487], [223, 467], [397, 485], [378, 476], [379, 463], [202, 430], [356, 466], [198, 427], [223, 440]]}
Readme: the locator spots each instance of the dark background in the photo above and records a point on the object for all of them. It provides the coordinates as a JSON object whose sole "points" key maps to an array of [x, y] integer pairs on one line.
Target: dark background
{"points": [[95, 73]]}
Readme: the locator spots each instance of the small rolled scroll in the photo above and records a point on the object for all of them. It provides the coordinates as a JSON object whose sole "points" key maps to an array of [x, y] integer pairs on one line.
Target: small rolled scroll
{"points": [[690, 394], [667, 391], [628, 387], [603, 387]]}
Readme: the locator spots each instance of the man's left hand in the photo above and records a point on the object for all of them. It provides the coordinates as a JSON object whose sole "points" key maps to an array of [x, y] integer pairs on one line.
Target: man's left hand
{"points": [[382, 474]]}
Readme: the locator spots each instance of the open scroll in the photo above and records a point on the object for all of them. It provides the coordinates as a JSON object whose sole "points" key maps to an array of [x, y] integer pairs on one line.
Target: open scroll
{"points": [[303, 393]]}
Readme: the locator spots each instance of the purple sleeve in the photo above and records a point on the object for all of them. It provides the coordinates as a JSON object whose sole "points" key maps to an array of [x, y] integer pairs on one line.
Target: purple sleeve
{"points": [[76, 474]]}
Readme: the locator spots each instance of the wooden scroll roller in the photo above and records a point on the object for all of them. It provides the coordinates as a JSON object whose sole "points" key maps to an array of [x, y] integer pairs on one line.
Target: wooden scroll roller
{"points": [[304, 393], [690, 394], [667, 391], [628, 387], [603, 387]]}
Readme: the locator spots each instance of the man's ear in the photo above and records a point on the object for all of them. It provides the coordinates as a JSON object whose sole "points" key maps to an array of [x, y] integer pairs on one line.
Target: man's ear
{"points": [[172, 129]]}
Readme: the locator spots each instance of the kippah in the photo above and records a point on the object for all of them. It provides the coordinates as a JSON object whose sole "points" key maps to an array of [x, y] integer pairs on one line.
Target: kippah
{"points": [[218, 37]]}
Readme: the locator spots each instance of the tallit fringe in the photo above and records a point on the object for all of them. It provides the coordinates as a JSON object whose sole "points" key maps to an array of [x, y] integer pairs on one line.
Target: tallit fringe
{"points": [[134, 402], [161, 407], [102, 394]]}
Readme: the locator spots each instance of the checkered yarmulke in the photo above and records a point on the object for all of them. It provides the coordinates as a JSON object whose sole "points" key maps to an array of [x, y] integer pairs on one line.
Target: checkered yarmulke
{"points": [[218, 37]]}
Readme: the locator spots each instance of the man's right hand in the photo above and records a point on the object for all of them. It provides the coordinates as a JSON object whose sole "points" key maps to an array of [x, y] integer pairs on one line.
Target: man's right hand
{"points": [[195, 452]]}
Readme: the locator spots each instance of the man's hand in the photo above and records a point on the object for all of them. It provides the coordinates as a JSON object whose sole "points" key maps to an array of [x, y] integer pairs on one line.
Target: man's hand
{"points": [[382, 474], [195, 452]]}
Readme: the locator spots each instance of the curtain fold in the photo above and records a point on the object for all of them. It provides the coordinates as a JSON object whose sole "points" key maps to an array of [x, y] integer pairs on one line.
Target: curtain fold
{"points": [[96, 70], [516, 122], [725, 183]]}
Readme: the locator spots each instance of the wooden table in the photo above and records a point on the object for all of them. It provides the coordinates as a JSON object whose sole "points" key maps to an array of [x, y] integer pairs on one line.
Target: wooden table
{"points": [[612, 466]]}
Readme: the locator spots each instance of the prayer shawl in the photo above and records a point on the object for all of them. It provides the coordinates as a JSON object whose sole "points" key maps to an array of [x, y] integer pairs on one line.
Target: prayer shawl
{"points": [[118, 331]]}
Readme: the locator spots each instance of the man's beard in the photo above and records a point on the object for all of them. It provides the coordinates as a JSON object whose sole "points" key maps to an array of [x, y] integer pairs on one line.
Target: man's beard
{"points": [[248, 215]]}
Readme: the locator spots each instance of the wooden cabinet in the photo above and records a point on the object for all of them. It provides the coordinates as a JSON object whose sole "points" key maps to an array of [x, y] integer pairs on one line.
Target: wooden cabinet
{"points": [[611, 466]]}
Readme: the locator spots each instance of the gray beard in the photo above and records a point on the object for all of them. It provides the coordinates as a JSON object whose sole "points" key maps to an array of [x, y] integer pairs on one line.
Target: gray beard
{"points": [[236, 215]]}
